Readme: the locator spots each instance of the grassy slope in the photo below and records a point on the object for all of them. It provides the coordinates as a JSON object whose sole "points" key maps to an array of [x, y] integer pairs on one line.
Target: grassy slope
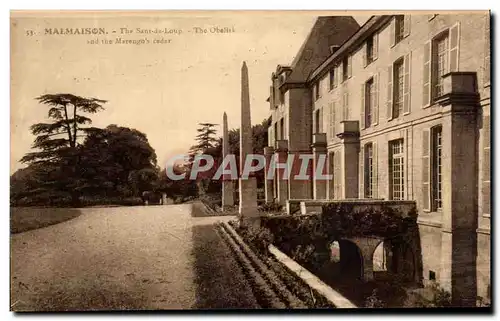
{"points": [[24, 219]]}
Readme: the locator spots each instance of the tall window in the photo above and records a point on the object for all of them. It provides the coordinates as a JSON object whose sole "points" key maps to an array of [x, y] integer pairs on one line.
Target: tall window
{"points": [[396, 169], [345, 68], [316, 90], [282, 97], [317, 118], [440, 67], [398, 89], [331, 171], [276, 132], [332, 78], [368, 167], [369, 95], [369, 50], [282, 128], [437, 185], [399, 28]]}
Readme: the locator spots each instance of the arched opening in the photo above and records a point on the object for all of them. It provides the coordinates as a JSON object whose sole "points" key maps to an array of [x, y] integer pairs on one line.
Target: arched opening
{"points": [[351, 260], [382, 260], [381, 257]]}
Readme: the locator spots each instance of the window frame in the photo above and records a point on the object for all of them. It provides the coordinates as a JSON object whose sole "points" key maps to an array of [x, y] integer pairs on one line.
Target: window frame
{"points": [[317, 117], [399, 27], [368, 171], [436, 79], [397, 87], [370, 43], [400, 156], [332, 78], [369, 102], [345, 68], [316, 90], [436, 168]]}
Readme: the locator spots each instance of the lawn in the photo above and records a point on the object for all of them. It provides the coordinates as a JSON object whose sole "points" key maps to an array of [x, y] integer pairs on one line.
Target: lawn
{"points": [[24, 219]]}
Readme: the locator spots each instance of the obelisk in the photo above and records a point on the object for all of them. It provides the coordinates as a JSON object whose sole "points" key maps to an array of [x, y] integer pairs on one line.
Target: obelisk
{"points": [[227, 183], [248, 185]]}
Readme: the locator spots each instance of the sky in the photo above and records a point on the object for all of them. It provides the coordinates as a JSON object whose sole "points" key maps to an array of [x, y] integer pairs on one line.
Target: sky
{"points": [[162, 89]]}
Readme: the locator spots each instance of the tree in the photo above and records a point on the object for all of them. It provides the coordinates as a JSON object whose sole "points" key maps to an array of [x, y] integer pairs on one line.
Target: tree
{"points": [[259, 141], [119, 161], [205, 138], [206, 144], [57, 142]]}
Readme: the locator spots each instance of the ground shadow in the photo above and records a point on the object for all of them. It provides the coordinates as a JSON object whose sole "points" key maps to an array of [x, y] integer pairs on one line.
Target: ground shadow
{"points": [[220, 282]]}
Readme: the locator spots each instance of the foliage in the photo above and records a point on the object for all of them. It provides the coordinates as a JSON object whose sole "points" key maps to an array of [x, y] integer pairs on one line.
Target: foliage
{"points": [[118, 161], [57, 147], [75, 164], [271, 207], [205, 139], [259, 141], [206, 144], [434, 296], [259, 238], [373, 301], [306, 237]]}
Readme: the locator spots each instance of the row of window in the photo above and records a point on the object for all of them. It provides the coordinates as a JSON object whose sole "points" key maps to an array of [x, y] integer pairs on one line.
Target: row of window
{"points": [[399, 30], [439, 60], [432, 170]]}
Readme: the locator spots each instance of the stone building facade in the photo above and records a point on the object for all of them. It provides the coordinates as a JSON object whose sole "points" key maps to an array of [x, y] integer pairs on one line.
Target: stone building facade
{"points": [[401, 108]]}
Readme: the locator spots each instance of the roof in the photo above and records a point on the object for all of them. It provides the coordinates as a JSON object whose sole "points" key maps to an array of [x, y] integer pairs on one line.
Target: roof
{"points": [[335, 30], [356, 39]]}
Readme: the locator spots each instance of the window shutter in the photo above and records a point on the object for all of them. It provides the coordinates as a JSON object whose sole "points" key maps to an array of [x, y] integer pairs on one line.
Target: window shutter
{"points": [[332, 120], [349, 66], [270, 137], [393, 32], [374, 173], [407, 25], [375, 99], [454, 47], [389, 92], [336, 175], [426, 190], [363, 105], [486, 190], [271, 96], [346, 106], [407, 84], [365, 54], [335, 76], [427, 74], [362, 172], [320, 126], [375, 46], [285, 129], [276, 93], [487, 51]]}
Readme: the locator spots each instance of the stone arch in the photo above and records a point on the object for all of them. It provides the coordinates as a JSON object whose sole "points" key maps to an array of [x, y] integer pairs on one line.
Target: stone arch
{"points": [[351, 260], [381, 256]]}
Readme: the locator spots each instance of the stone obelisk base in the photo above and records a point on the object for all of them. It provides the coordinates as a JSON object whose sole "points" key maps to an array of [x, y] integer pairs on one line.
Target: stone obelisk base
{"points": [[227, 194], [249, 213]]}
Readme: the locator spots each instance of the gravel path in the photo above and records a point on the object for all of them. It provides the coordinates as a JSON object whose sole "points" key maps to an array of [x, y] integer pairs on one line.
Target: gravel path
{"points": [[155, 257]]}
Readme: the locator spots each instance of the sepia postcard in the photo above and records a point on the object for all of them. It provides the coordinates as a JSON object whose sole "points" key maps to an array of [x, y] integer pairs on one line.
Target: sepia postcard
{"points": [[249, 160]]}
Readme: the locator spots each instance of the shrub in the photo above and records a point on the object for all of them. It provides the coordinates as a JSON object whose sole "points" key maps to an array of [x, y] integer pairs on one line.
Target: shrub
{"points": [[271, 207], [373, 301], [258, 237], [436, 297]]}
